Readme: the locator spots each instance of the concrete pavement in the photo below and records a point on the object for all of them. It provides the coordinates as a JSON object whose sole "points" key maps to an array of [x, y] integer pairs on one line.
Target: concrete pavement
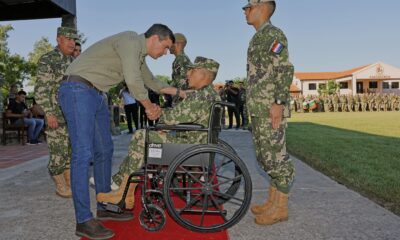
{"points": [[319, 207]]}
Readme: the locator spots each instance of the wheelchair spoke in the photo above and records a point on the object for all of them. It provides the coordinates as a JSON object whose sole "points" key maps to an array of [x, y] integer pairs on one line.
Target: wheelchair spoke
{"points": [[228, 196], [190, 204], [192, 176], [218, 207], [205, 206], [223, 163], [229, 180]]}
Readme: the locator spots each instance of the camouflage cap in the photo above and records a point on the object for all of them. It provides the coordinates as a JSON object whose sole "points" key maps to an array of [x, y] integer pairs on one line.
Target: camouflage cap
{"points": [[253, 2], [67, 32], [179, 37], [206, 63]]}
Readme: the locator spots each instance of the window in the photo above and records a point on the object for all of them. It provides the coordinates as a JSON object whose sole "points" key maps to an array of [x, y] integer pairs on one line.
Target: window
{"points": [[395, 85], [344, 85], [385, 85], [312, 86], [373, 84], [322, 86]]}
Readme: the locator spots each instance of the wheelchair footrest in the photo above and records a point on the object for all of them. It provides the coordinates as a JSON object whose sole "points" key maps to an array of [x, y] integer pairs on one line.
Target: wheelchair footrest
{"points": [[112, 207]]}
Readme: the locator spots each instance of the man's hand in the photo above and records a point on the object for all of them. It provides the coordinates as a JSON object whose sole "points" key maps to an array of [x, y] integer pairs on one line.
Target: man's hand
{"points": [[275, 115], [182, 94], [153, 112], [52, 121]]}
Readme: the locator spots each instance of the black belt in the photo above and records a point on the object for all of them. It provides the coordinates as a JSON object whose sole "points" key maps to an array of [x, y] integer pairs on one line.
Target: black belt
{"points": [[75, 78]]}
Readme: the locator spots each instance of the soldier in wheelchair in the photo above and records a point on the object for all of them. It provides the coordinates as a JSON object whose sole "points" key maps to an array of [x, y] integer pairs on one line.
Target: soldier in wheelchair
{"points": [[194, 109]]}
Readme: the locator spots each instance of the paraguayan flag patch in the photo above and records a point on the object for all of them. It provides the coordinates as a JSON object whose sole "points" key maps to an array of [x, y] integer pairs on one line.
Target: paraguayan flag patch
{"points": [[277, 47]]}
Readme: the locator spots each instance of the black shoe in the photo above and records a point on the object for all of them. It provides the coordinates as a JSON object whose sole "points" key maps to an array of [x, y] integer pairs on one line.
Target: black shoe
{"points": [[93, 229], [107, 215], [38, 142]]}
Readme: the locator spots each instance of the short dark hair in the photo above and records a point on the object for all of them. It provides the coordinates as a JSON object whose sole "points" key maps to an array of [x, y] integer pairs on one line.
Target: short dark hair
{"points": [[161, 30], [22, 92], [273, 6]]}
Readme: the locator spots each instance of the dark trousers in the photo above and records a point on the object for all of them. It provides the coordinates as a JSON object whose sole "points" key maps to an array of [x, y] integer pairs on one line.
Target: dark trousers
{"points": [[231, 111], [142, 117], [131, 112]]}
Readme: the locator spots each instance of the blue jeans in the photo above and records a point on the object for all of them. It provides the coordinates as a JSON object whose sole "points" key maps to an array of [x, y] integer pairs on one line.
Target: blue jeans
{"points": [[85, 110], [35, 125]]}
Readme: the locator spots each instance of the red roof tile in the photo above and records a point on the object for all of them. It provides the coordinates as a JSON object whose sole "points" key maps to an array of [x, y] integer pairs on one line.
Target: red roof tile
{"points": [[327, 75]]}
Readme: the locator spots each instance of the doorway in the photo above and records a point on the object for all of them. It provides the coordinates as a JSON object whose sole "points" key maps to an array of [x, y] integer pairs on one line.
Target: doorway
{"points": [[360, 87]]}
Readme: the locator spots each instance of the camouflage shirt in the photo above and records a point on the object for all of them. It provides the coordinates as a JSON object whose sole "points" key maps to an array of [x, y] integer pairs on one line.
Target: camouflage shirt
{"points": [[179, 70], [195, 108], [51, 68], [269, 72]]}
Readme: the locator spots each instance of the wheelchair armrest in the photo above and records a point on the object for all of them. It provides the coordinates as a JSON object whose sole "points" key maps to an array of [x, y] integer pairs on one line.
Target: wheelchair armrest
{"points": [[179, 127]]}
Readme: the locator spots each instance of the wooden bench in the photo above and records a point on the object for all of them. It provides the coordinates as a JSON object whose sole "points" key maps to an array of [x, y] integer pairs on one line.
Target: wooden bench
{"points": [[8, 127]]}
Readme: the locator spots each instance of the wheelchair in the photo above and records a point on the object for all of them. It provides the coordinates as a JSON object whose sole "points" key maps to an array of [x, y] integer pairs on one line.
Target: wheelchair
{"points": [[196, 183]]}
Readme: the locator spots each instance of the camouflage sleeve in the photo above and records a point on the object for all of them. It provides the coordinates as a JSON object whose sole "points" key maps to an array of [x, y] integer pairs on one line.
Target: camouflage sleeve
{"points": [[283, 69], [190, 110], [43, 90]]}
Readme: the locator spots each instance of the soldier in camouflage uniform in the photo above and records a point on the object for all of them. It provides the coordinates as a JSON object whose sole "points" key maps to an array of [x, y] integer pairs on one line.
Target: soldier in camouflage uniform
{"points": [[371, 101], [335, 101], [350, 103], [180, 64], [51, 68], [194, 109], [364, 101], [243, 106], [327, 103], [357, 102], [269, 75], [343, 103]]}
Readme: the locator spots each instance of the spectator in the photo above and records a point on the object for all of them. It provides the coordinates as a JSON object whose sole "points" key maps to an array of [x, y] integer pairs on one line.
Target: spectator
{"points": [[232, 96], [19, 114], [131, 108]]}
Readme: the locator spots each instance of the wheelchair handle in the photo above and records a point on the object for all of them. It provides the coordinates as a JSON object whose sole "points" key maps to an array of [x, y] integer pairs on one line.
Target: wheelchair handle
{"points": [[221, 103]]}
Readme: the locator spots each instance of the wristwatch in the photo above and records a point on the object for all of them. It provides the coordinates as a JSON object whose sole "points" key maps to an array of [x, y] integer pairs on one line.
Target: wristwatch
{"points": [[279, 102]]}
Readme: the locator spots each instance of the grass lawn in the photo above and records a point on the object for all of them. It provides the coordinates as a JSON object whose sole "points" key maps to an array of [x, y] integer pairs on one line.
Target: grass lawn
{"points": [[360, 150]]}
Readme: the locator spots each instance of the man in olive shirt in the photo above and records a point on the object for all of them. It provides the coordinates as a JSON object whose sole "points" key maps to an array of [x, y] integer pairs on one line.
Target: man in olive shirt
{"points": [[117, 58]]}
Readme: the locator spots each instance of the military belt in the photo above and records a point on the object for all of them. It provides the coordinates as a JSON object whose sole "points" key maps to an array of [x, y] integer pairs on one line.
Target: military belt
{"points": [[75, 78]]}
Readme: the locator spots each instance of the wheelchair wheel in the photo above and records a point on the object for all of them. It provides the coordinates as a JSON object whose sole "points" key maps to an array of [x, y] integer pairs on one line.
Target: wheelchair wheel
{"points": [[225, 145], [230, 191], [155, 197], [152, 220], [210, 203]]}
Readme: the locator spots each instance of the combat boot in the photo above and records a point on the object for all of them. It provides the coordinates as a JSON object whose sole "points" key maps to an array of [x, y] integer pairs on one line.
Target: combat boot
{"points": [[67, 178], [61, 188], [277, 213], [259, 209], [115, 196]]}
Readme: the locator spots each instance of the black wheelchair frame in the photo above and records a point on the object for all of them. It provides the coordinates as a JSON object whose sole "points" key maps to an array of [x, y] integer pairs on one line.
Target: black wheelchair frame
{"points": [[206, 179]]}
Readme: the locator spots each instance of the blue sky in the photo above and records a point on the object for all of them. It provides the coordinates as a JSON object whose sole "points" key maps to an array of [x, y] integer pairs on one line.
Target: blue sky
{"points": [[323, 35]]}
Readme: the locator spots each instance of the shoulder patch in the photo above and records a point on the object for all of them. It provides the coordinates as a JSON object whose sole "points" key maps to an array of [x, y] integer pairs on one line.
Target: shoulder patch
{"points": [[277, 47]]}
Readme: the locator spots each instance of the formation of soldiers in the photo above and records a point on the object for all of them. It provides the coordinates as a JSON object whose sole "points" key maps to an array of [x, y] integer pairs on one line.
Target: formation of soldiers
{"points": [[347, 103]]}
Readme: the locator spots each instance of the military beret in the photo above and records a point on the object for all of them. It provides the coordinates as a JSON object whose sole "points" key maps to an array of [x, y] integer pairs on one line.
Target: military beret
{"points": [[179, 37], [67, 32], [206, 63], [253, 2]]}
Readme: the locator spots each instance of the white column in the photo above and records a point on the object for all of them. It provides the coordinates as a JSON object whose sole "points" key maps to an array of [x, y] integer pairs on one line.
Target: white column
{"points": [[354, 85]]}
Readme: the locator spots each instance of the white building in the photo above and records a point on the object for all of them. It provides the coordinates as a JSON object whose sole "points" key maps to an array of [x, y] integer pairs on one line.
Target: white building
{"points": [[378, 77]]}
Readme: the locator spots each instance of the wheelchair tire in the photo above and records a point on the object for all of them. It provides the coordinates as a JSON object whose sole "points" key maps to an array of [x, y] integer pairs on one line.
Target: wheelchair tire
{"points": [[154, 219], [194, 216]]}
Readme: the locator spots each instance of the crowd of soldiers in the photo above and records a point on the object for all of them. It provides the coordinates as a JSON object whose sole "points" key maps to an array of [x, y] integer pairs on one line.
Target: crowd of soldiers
{"points": [[346, 103]]}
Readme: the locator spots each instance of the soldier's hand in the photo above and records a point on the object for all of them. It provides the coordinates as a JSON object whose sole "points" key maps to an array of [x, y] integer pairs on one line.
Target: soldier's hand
{"points": [[153, 112], [52, 121], [275, 115]]}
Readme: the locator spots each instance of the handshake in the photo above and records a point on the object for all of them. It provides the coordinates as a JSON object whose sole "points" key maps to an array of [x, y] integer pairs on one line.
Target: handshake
{"points": [[153, 112]]}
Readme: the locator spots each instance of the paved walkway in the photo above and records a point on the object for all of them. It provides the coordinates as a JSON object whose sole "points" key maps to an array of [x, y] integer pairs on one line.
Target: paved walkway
{"points": [[15, 154], [319, 207]]}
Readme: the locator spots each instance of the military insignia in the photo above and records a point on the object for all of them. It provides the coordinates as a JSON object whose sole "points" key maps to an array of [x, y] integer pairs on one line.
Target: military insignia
{"points": [[277, 47]]}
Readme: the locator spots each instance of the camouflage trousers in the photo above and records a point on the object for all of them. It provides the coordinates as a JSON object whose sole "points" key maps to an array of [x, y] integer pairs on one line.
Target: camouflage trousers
{"points": [[135, 159], [59, 150], [270, 145]]}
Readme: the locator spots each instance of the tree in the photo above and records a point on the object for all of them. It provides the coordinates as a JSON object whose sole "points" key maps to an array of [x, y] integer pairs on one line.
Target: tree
{"points": [[328, 89], [13, 68], [39, 48]]}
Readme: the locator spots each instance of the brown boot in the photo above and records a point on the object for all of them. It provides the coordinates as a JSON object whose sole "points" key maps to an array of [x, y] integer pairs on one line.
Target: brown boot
{"points": [[116, 195], [67, 177], [277, 213], [259, 209], [61, 188]]}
